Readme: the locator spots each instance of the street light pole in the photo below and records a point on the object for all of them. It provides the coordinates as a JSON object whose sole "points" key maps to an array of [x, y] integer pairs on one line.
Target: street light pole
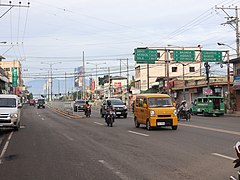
{"points": [[51, 78]]}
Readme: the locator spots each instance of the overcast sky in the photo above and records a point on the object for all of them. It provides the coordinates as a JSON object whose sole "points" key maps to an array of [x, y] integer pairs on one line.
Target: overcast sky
{"points": [[52, 31]]}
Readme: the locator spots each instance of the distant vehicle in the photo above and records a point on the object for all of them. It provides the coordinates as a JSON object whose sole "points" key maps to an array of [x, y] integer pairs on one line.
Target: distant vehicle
{"points": [[211, 105], [40, 103], [32, 102], [10, 111], [79, 105], [155, 110], [119, 107]]}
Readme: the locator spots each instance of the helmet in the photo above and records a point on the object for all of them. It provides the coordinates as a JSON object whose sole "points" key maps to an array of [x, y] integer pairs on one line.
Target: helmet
{"points": [[86, 102], [108, 102], [183, 101]]}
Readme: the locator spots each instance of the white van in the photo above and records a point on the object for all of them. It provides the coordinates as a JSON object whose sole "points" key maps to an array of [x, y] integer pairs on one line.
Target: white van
{"points": [[10, 111]]}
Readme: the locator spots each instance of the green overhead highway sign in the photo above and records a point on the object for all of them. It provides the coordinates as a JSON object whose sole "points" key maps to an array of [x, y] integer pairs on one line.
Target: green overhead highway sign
{"points": [[211, 56], [145, 56], [184, 55]]}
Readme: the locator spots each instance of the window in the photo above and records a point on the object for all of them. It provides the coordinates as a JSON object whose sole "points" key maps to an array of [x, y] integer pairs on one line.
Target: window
{"points": [[158, 55], [238, 71], [191, 69], [7, 69], [174, 69]]}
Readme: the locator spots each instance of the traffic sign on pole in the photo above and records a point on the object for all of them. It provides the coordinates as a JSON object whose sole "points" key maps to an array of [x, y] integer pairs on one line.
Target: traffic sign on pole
{"points": [[145, 56], [184, 55], [211, 56]]}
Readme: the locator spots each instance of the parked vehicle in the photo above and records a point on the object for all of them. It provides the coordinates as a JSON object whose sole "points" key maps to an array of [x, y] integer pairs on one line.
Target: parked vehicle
{"points": [[10, 111], [79, 105], [155, 110], [119, 107], [88, 111], [211, 105], [237, 161], [41, 103]]}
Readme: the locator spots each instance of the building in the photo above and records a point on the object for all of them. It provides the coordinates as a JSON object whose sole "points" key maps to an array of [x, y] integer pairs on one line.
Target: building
{"points": [[4, 82], [13, 70]]}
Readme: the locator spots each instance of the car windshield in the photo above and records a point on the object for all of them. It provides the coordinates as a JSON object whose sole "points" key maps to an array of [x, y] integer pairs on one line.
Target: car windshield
{"points": [[8, 102], [80, 102], [160, 102], [116, 102], [40, 101]]}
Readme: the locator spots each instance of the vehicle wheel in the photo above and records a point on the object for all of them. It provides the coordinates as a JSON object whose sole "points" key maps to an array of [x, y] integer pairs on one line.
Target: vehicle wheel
{"points": [[205, 113], [17, 127], [189, 116], [137, 125], [148, 126], [75, 109], [125, 116], [174, 127], [111, 124], [102, 115]]}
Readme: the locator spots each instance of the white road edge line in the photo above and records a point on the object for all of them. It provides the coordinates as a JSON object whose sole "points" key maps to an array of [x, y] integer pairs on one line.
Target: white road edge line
{"points": [[223, 156], [107, 165], [141, 134], [101, 124], [43, 119], [5, 147]]}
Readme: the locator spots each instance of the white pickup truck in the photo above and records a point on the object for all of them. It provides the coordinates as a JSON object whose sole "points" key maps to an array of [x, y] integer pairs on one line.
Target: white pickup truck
{"points": [[10, 107]]}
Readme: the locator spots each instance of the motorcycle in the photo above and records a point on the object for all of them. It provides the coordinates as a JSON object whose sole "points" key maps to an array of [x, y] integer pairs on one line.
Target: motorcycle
{"points": [[236, 161], [184, 114], [88, 111], [110, 118]]}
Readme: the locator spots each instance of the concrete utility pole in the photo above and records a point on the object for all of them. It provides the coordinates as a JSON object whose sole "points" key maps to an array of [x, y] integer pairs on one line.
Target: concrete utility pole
{"points": [[230, 21], [10, 5], [83, 78]]}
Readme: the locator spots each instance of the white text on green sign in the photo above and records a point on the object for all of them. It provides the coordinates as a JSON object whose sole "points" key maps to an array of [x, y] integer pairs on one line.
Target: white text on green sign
{"points": [[211, 56], [184, 55]]}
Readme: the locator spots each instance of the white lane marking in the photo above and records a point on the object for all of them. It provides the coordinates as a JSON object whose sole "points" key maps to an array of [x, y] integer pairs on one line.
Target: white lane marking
{"points": [[5, 147], [39, 115], [43, 119], [212, 129], [68, 137], [101, 124], [141, 134], [223, 156], [110, 167]]}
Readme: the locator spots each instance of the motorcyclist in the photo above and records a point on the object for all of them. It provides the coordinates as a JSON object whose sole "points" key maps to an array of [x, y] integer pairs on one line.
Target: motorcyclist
{"points": [[183, 106], [86, 106], [108, 108]]}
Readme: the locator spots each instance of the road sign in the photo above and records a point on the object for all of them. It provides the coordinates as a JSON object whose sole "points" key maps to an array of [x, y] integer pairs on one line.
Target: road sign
{"points": [[14, 77], [184, 55], [145, 56], [211, 56]]}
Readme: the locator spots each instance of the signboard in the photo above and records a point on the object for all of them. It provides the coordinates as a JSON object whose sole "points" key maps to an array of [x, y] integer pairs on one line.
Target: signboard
{"points": [[236, 81], [211, 56], [207, 91], [184, 55], [145, 56], [14, 77]]}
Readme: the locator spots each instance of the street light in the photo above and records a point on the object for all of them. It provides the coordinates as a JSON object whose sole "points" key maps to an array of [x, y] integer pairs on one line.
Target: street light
{"points": [[228, 73], [51, 64], [96, 82]]}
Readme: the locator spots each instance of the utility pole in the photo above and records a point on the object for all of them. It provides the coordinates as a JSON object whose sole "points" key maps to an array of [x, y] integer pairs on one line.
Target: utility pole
{"points": [[232, 20], [10, 5], [83, 79], [109, 82], [128, 103], [65, 84]]}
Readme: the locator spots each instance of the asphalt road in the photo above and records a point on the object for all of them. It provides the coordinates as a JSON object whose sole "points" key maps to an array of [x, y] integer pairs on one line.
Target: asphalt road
{"points": [[49, 146]]}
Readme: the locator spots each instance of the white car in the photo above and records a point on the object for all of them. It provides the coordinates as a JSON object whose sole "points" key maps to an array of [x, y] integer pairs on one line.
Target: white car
{"points": [[10, 111]]}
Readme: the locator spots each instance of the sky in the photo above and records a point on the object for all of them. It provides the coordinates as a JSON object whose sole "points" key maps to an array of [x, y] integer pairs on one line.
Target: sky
{"points": [[53, 32]]}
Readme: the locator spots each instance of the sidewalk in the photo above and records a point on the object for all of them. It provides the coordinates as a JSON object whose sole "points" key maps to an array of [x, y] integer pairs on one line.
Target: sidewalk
{"points": [[234, 114]]}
